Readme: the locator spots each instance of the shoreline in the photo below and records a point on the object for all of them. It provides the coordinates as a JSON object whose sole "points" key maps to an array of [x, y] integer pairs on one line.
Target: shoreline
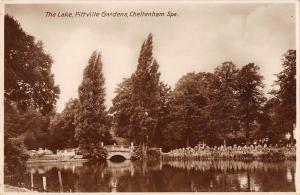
{"points": [[10, 188], [29, 161]]}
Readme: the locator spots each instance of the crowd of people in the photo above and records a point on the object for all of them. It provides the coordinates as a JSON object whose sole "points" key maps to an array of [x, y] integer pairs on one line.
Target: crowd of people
{"points": [[247, 152]]}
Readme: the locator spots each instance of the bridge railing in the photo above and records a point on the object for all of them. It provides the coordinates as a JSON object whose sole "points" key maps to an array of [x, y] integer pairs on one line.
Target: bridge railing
{"points": [[118, 147]]}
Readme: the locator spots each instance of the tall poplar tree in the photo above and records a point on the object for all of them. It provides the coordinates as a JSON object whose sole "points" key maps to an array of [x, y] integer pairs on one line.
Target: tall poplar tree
{"points": [[146, 95], [92, 123]]}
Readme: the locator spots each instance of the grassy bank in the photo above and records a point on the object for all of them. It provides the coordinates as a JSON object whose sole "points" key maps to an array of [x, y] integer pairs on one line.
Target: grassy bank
{"points": [[9, 188]]}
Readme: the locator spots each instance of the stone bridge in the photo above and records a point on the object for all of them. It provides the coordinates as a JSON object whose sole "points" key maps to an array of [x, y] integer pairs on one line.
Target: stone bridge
{"points": [[119, 151]]}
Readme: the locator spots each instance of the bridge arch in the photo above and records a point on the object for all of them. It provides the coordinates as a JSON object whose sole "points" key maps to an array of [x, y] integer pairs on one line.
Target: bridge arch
{"points": [[113, 155], [119, 151], [117, 158]]}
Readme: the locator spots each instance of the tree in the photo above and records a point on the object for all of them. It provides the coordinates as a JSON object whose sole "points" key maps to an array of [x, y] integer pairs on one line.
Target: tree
{"points": [[28, 80], [28, 88], [15, 156], [224, 101], [121, 109], [92, 123], [189, 110], [164, 116], [14, 150], [250, 96], [145, 96], [286, 94], [267, 123], [30, 126], [62, 126], [123, 106], [136, 107], [36, 125]]}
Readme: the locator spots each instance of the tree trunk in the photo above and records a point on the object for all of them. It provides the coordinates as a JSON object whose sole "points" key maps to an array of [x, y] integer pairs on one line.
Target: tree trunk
{"points": [[187, 142], [247, 134], [144, 151], [292, 136], [188, 135]]}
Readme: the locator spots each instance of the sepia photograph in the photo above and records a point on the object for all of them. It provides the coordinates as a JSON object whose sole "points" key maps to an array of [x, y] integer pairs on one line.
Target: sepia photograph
{"points": [[149, 96]]}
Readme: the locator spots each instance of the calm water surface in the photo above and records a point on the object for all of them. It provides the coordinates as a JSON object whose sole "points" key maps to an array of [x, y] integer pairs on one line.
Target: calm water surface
{"points": [[171, 176]]}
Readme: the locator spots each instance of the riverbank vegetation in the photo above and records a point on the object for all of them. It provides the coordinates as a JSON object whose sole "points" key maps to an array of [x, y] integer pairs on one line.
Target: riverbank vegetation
{"points": [[245, 153], [225, 107]]}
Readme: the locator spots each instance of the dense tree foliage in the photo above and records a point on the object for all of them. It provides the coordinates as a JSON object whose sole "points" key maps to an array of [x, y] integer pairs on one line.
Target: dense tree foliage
{"points": [[122, 109], [28, 80], [145, 96], [285, 111], [164, 114], [251, 97], [29, 93], [92, 122], [62, 127], [14, 156], [30, 126], [189, 110], [224, 102], [227, 106], [137, 107], [267, 123], [36, 130]]}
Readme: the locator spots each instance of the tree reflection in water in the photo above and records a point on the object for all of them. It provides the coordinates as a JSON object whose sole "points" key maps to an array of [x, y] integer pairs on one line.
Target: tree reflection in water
{"points": [[169, 176]]}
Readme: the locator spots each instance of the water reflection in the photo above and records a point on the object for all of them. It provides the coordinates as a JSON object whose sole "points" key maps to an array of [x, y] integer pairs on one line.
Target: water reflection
{"points": [[169, 176]]}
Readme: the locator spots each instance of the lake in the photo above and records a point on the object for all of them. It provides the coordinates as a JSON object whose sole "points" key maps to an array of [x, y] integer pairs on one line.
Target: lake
{"points": [[161, 176]]}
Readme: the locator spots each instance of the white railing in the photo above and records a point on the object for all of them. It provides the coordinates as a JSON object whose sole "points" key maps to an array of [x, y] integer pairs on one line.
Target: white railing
{"points": [[119, 148]]}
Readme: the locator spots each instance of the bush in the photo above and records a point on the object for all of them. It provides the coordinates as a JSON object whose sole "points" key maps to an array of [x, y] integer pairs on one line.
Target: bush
{"points": [[94, 152], [244, 156], [272, 154], [15, 156], [152, 154], [137, 154]]}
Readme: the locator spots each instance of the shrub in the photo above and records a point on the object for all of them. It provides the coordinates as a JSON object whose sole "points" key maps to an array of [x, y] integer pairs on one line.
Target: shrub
{"points": [[15, 156], [244, 156], [153, 154], [272, 154], [137, 154], [94, 152]]}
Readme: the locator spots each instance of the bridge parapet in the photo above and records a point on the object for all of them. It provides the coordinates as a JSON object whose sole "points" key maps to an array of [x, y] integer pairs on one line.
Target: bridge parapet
{"points": [[119, 150]]}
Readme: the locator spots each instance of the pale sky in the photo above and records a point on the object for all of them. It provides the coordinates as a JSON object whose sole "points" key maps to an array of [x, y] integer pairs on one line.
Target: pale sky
{"points": [[201, 38]]}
